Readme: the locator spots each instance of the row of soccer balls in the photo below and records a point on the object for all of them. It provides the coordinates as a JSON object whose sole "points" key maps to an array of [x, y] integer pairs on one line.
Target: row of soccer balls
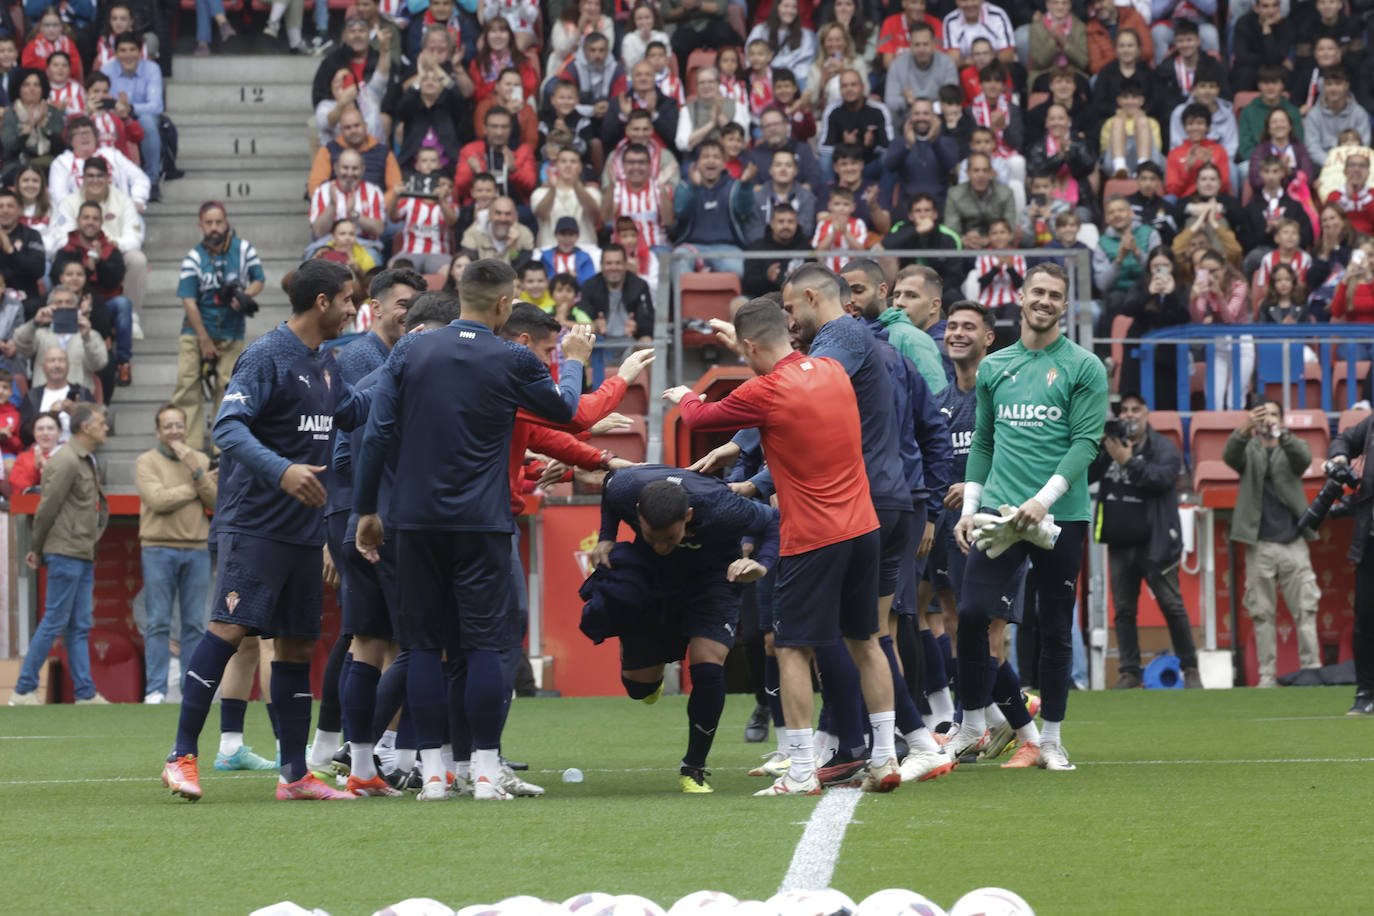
{"points": [[985, 901]]}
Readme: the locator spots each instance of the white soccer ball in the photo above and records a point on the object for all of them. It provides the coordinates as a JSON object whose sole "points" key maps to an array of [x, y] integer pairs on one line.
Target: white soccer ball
{"points": [[626, 905], [991, 901], [703, 903], [897, 902], [825, 902], [480, 909], [416, 906], [754, 908], [526, 905], [594, 899]]}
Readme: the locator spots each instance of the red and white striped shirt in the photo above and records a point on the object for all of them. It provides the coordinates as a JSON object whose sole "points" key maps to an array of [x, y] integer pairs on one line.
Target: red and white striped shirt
{"points": [[1359, 209], [760, 92], [982, 115], [564, 263], [670, 86], [71, 97], [109, 129], [1299, 260], [1001, 291], [365, 201], [642, 207], [104, 52], [735, 89], [827, 230], [425, 230]]}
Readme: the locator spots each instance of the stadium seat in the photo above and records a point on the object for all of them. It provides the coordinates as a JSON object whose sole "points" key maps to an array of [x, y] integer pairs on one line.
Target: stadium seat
{"points": [[1242, 99], [631, 444], [705, 295], [434, 281], [1247, 191], [1213, 473], [1170, 425], [695, 61], [1339, 398], [21, 384], [1350, 418], [1312, 427], [636, 395], [681, 446], [1121, 326], [1123, 186], [1036, 98], [1208, 432]]}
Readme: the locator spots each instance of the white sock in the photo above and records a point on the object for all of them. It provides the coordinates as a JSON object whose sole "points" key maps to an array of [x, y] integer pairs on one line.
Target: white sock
{"points": [[230, 742], [322, 750], [278, 746], [801, 749], [994, 715], [1028, 734], [486, 764], [884, 726], [462, 768], [1118, 164], [447, 751], [388, 738], [405, 759], [975, 721], [431, 764], [278, 11], [823, 742], [361, 756], [782, 740], [293, 38], [921, 740], [1050, 733], [941, 706]]}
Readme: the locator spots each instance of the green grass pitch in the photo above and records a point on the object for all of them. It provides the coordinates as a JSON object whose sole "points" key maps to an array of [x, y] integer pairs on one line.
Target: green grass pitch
{"points": [[1240, 801]]}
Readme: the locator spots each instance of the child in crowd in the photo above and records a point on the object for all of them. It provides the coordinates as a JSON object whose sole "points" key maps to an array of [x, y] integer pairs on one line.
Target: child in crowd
{"points": [[566, 257], [789, 98], [63, 91], [343, 238], [565, 291], [951, 109], [840, 230], [1042, 207], [643, 262], [1000, 276], [668, 84], [1285, 299], [761, 77], [733, 141], [1148, 202], [1287, 237], [734, 80], [10, 443], [561, 114], [534, 280], [1130, 136]]}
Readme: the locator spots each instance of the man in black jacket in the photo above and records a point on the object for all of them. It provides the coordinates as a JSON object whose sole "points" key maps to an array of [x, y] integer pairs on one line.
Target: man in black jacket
{"points": [[641, 93], [21, 253], [57, 394], [354, 48], [1345, 448], [1138, 521], [922, 229], [782, 235], [618, 301]]}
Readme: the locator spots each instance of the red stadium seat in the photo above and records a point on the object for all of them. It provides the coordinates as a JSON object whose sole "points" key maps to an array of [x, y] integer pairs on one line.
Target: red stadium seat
{"points": [[1123, 186], [1312, 427], [434, 281], [631, 444], [1208, 432], [1242, 99], [1339, 399], [1312, 380], [699, 58], [1036, 98], [1350, 418], [1170, 425], [1212, 473], [706, 295]]}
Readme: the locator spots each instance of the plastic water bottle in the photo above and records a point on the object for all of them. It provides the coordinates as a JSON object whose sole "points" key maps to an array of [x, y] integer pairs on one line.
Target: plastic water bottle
{"points": [[572, 774]]}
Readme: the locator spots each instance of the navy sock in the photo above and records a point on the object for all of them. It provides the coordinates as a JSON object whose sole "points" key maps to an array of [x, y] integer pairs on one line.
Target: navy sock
{"points": [[936, 679], [460, 733], [510, 667], [231, 713], [358, 697], [405, 730], [203, 675], [272, 719], [291, 695], [638, 690], [345, 673], [425, 695], [703, 711], [825, 722], [841, 691], [907, 641], [391, 694], [771, 680], [908, 716], [1006, 693], [947, 655], [334, 667], [483, 698]]}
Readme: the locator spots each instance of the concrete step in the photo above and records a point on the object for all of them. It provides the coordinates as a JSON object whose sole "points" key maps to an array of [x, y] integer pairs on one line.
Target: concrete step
{"points": [[244, 167], [243, 142], [202, 185], [287, 230], [239, 99], [230, 122], [237, 68]]}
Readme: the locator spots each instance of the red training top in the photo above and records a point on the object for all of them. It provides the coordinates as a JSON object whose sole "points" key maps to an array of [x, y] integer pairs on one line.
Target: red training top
{"points": [[1360, 310], [808, 418]]}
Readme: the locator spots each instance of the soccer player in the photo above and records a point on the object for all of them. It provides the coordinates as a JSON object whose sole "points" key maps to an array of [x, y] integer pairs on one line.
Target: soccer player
{"points": [[1042, 403], [276, 424], [450, 506], [808, 419], [687, 528]]}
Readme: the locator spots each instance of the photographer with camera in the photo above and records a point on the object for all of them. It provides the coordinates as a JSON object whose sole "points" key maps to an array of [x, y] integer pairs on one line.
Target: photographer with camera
{"points": [[219, 278], [1137, 471], [1271, 461], [1355, 443]]}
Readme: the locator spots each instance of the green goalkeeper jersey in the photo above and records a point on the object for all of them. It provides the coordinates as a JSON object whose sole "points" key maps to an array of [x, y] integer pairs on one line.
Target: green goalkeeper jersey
{"points": [[1040, 413]]}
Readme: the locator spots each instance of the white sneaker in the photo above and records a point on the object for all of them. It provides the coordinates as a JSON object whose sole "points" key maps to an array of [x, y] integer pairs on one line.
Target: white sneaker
{"points": [[136, 326], [515, 786], [786, 785], [998, 739], [483, 789], [882, 777], [272, 29], [920, 766], [94, 699], [433, 790], [960, 741], [386, 756], [774, 765], [154, 698], [1054, 757], [25, 699]]}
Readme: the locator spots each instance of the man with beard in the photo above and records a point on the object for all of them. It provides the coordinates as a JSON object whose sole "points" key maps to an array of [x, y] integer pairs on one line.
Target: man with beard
{"points": [[777, 134], [783, 236]]}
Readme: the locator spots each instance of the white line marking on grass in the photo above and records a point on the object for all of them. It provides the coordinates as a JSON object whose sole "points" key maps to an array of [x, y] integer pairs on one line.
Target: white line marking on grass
{"points": [[813, 862], [46, 737], [1300, 718], [1155, 763]]}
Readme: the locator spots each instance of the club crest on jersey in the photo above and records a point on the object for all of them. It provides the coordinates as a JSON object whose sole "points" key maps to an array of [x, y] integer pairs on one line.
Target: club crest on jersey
{"points": [[1051, 376], [231, 602]]}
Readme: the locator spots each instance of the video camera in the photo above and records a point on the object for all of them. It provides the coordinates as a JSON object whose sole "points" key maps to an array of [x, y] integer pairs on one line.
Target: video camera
{"points": [[232, 294], [1339, 478]]}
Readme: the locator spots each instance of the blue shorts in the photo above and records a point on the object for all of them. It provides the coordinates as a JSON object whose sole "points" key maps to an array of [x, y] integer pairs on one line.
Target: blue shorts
{"points": [[694, 600], [452, 589], [894, 532], [998, 586], [270, 587], [913, 567], [366, 610], [334, 526], [945, 568], [828, 593], [765, 593]]}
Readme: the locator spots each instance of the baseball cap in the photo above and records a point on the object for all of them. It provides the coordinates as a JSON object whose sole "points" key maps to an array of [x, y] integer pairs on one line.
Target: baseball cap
{"points": [[566, 224]]}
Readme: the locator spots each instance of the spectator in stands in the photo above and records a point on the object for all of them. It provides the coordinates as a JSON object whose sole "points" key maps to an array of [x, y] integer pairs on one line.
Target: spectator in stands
{"points": [[175, 488], [1271, 461], [837, 54], [992, 109], [21, 251], [1285, 299], [922, 230], [619, 303], [921, 158], [431, 113], [1156, 301], [1221, 296], [1068, 156], [1331, 176], [1138, 512], [353, 53], [1130, 136], [580, 19], [1261, 36], [649, 203], [502, 237], [917, 72], [793, 44], [426, 236], [1253, 119], [712, 212], [839, 229], [1107, 22], [1188, 157], [971, 207], [496, 53], [342, 246], [137, 83], [564, 196], [103, 266], [702, 118], [69, 273], [510, 95], [441, 15], [1057, 39], [597, 76], [863, 32], [639, 129], [1354, 298], [86, 353], [1272, 206], [783, 236], [1305, 79], [856, 121], [1119, 259], [370, 13], [213, 330], [895, 34], [788, 99], [31, 128], [742, 84], [1063, 83], [642, 94], [782, 189], [1335, 241], [776, 134], [70, 519], [31, 186], [534, 286], [565, 290], [121, 222], [565, 256], [113, 129], [1179, 72], [1185, 26], [345, 94], [348, 196], [119, 18], [1327, 18], [49, 37], [1221, 125], [380, 167], [560, 116], [65, 173], [1209, 213], [1131, 63], [513, 168], [1355, 198], [646, 27], [1336, 112], [1278, 139], [56, 394], [26, 473], [974, 19], [64, 93]]}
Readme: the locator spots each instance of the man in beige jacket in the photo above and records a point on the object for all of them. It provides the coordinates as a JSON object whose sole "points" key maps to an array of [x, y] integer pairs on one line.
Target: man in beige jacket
{"points": [[71, 517], [175, 488]]}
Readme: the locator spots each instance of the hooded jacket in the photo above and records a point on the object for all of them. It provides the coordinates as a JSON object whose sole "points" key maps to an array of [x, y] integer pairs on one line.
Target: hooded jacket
{"points": [[593, 85], [1322, 127], [740, 210], [916, 345]]}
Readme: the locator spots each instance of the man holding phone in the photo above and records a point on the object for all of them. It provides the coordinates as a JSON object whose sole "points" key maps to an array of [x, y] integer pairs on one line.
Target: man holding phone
{"points": [[62, 324]]}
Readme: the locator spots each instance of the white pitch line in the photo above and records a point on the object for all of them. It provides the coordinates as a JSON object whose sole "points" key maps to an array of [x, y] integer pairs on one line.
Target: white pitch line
{"points": [[47, 737], [1152, 763], [813, 862]]}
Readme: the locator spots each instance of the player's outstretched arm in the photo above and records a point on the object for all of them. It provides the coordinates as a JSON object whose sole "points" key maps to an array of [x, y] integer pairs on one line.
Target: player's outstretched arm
{"points": [[534, 390], [248, 390]]}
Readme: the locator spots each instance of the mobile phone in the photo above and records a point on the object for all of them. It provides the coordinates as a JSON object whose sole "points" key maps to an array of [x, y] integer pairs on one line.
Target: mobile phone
{"points": [[64, 321], [1203, 274], [1040, 200], [1161, 270], [1357, 257]]}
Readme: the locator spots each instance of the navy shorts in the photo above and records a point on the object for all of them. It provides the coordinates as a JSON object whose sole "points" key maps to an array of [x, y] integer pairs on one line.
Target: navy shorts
{"points": [[366, 611], [693, 600], [270, 587], [913, 567], [334, 526], [765, 593], [452, 589], [997, 586], [945, 568], [828, 593], [894, 532]]}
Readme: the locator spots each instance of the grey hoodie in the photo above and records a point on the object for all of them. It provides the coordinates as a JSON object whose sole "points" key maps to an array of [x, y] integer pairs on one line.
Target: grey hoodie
{"points": [[1322, 128], [904, 74]]}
